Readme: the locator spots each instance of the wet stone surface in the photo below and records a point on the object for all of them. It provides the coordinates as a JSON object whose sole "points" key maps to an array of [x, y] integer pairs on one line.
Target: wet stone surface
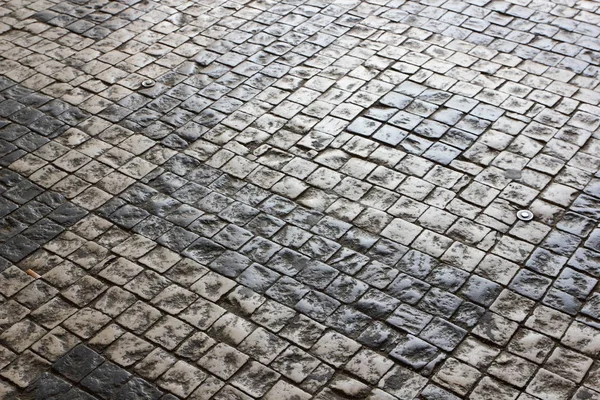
{"points": [[313, 199]]}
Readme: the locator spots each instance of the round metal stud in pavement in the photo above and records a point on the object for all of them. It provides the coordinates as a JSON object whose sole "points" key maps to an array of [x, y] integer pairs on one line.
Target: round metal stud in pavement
{"points": [[148, 83], [525, 215]]}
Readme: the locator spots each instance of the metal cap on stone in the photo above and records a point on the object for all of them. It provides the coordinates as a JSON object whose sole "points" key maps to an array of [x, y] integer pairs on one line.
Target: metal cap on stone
{"points": [[525, 215]]}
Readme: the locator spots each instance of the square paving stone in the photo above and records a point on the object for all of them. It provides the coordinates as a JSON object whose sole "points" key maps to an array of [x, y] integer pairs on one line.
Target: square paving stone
{"points": [[139, 316], [512, 369], [439, 303], [335, 348], [155, 364], [17, 248], [49, 385], [414, 352], [456, 376], [231, 329], [105, 380], [254, 378], [181, 379], [530, 284], [230, 264], [11, 227], [174, 299], [168, 332], [147, 284], [23, 192], [260, 249], [447, 278], [128, 216], [562, 301], [317, 274], [84, 290], [78, 363], [233, 237], [495, 328], [203, 250], [177, 238], [134, 247], [480, 290], [582, 337], [186, 272], [546, 262], [53, 312], [128, 349], [317, 305], [25, 369], [568, 364], [348, 321], [12, 280], [212, 286], [86, 322], [408, 289], [476, 353], [120, 271], [417, 264], [55, 344], [346, 288], [402, 382], [575, 283], [443, 334], [43, 231], [223, 360], [488, 385], [195, 346], [138, 389], [546, 383], [36, 294], [29, 213], [21, 335], [302, 331]]}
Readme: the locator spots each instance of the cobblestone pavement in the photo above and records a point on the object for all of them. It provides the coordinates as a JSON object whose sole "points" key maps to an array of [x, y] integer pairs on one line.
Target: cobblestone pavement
{"points": [[311, 199]]}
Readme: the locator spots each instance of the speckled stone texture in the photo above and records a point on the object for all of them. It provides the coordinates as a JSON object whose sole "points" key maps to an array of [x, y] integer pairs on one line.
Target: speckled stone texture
{"points": [[312, 199]]}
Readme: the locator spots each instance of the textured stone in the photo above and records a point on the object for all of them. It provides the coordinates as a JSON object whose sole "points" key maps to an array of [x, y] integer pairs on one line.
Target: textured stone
{"points": [[278, 185], [78, 363]]}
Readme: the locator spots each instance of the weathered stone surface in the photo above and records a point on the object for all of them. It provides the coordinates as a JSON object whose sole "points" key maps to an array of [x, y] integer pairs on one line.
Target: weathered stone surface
{"points": [[212, 194], [78, 363]]}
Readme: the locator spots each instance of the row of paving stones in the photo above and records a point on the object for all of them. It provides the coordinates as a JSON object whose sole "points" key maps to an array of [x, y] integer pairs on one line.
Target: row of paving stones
{"points": [[501, 25], [397, 351], [412, 187], [400, 231], [132, 215], [169, 102], [406, 347], [222, 359], [24, 369], [96, 375], [324, 178], [327, 173], [178, 239], [472, 290]]}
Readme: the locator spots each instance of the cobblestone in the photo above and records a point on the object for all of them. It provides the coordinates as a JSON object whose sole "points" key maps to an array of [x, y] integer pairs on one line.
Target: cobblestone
{"points": [[315, 199]]}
